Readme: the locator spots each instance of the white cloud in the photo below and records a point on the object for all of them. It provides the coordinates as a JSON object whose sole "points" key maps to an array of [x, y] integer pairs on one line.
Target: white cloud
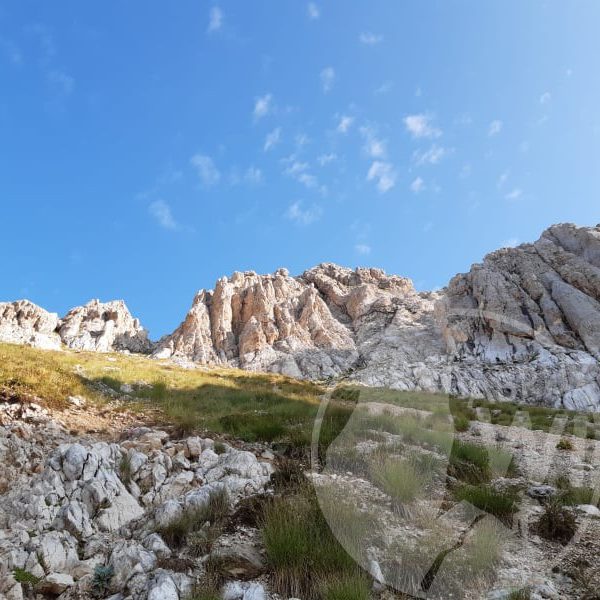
{"points": [[509, 243], [384, 88], [363, 249], [383, 174], [263, 106], [313, 11], [300, 172], [301, 140], [207, 171], [420, 126], [495, 127], [253, 175], [370, 39], [503, 179], [161, 212], [514, 194], [215, 19], [545, 98], [374, 146], [272, 139], [432, 156], [325, 159], [344, 124], [327, 79], [61, 81], [418, 185], [303, 216]]}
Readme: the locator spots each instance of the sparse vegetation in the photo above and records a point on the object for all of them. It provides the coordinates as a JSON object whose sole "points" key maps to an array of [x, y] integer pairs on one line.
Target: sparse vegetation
{"points": [[101, 580], [502, 504], [191, 526], [564, 444], [399, 479], [556, 523], [25, 577]]}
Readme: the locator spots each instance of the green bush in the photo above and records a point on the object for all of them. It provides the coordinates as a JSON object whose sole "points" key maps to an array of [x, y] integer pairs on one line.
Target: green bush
{"points": [[557, 523], [346, 393], [502, 504], [350, 588], [25, 577], [101, 580], [469, 462]]}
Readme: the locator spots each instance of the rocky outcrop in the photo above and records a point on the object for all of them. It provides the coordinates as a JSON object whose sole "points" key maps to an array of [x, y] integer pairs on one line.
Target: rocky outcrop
{"points": [[23, 322], [104, 327], [523, 325], [83, 518], [97, 326]]}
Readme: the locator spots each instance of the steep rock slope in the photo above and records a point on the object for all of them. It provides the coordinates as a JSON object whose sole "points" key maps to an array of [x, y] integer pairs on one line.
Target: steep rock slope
{"points": [[522, 325], [103, 327]]}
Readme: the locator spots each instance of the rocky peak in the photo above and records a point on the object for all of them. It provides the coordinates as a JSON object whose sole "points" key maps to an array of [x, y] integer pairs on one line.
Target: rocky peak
{"points": [[23, 322], [103, 327]]}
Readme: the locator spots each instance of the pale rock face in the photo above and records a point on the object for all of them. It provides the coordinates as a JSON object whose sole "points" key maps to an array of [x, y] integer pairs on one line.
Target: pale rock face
{"points": [[23, 322], [523, 325], [104, 327]]}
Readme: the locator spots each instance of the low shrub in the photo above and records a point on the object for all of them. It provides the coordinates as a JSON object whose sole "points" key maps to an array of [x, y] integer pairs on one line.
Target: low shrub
{"points": [[399, 479], [469, 462], [350, 588], [25, 577], [192, 521], [101, 580], [346, 393], [564, 444], [556, 523], [502, 504]]}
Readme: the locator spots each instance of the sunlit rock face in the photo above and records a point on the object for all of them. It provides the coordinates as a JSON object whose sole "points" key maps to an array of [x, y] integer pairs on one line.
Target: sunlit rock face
{"points": [[23, 322], [522, 325], [103, 327]]}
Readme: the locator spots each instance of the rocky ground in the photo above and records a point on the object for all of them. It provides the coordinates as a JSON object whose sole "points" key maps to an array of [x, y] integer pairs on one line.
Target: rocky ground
{"points": [[81, 511]]}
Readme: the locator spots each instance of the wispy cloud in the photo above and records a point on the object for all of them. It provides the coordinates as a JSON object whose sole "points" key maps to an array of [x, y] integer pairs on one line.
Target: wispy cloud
{"points": [[417, 186], [11, 51], [62, 82], [325, 159], [215, 19], [515, 194], [384, 88], [327, 79], [263, 105], [545, 98], [432, 156], [313, 11], [344, 124], [383, 174], [421, 126], [253, 175], [161, 212], [362, 249], [495, 127], [299, 171], [374, 146], [272, 139], [370, 39], [502, 179], [206, 169], [303, 216]]}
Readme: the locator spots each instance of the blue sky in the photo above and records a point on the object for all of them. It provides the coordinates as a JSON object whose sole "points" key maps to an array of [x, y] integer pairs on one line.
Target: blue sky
{"points": [[149, 147]]}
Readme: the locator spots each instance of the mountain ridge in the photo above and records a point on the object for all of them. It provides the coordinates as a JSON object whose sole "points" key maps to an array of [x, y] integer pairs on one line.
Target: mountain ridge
{"points": [[523, 324]]}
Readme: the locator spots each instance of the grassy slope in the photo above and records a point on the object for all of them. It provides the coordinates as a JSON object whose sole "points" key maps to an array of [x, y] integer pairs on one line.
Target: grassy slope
{"points": [[251, 406]]}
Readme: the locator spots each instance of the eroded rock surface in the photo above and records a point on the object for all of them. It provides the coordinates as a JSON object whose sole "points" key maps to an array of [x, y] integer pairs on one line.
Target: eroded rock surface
{"points": [[73, 508], [104, 327], [23, 322], [523, 325]]}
